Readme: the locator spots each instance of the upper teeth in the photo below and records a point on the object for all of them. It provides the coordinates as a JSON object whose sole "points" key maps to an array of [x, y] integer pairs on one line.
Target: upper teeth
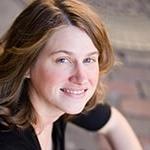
{"points": [[73, 91]]}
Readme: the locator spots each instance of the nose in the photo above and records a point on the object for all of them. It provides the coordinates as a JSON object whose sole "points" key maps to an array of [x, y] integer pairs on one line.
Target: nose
{"points": [[79, 75]]}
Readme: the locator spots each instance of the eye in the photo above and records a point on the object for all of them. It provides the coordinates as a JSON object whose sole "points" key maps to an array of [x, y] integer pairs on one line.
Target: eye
{"points": [[62, 60], [89, 60]]}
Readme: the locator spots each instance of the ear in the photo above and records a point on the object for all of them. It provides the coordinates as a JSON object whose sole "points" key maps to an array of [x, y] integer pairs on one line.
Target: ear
{"points": [[27, 74]]}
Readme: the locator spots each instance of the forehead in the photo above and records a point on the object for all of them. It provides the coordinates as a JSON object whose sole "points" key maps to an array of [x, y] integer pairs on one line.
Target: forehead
{"points": [[70, 38]]}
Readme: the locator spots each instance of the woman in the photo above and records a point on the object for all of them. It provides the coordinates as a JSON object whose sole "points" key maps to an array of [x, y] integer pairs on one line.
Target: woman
{"points": [[52, 59]]}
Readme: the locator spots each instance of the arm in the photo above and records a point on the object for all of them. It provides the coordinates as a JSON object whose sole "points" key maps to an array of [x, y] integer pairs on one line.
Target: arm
{"points": [[119, 133]]}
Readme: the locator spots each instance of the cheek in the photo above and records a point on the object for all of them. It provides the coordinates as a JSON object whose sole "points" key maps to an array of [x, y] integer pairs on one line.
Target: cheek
{"points": [[94, 81], [52, 77], [94, 76]]}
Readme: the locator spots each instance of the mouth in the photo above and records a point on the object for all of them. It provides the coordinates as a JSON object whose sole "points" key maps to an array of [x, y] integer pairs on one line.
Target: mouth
{"points": [[73, 91]]}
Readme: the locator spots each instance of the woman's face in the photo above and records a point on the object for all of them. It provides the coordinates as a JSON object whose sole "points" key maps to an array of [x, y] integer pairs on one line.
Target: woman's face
{"points": [[66, 73]]}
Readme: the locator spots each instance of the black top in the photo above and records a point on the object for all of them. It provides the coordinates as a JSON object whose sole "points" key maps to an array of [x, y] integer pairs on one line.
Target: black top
{"points": [[17, 139]]}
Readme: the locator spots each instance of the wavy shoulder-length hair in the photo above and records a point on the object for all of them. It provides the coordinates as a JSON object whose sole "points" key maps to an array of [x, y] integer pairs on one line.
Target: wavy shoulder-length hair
{"points": [[21, 45]]}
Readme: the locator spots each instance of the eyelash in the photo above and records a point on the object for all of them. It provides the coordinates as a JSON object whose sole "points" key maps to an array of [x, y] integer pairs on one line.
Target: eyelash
{"points": [[62, 60], [67, 60], [89, 60]]}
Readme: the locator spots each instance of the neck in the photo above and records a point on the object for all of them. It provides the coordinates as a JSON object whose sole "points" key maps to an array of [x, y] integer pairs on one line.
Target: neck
{"points": [[45, 137], [44, 122]]}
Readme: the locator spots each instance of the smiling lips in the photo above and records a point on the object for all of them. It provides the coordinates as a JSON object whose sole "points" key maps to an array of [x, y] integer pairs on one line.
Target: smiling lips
{"points": [[73, 92]]}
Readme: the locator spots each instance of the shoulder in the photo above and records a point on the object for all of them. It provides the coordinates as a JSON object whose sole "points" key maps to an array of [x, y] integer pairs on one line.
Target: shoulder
{"points": [[95, 119]]}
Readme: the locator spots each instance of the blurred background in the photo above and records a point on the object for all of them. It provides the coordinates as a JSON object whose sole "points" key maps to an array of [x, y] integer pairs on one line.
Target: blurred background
{"points": [[128, 85]]}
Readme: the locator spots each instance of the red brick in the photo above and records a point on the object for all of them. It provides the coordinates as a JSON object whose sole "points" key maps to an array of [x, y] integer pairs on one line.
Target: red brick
{"points": [[123, 88], [137, 58], [145, 87], [131, 74], [136, 107]]}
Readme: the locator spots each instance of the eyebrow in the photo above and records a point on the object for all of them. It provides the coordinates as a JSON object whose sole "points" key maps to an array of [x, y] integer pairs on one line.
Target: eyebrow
{"points": [[70, 53]]}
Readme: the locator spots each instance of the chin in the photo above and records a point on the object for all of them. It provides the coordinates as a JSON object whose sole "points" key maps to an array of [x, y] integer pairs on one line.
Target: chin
{"points": [[75, 111]]}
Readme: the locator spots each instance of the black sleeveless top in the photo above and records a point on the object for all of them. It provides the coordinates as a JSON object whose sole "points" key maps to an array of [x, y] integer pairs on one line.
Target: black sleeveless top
{"points": [[17, 139]]}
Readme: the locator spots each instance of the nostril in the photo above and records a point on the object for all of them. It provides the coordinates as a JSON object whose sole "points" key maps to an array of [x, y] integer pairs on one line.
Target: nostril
{"points": [[78, 79]]}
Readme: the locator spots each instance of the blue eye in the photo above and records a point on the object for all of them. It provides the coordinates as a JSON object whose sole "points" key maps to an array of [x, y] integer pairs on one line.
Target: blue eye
{"points": [[62, 60], [89, 60]]}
